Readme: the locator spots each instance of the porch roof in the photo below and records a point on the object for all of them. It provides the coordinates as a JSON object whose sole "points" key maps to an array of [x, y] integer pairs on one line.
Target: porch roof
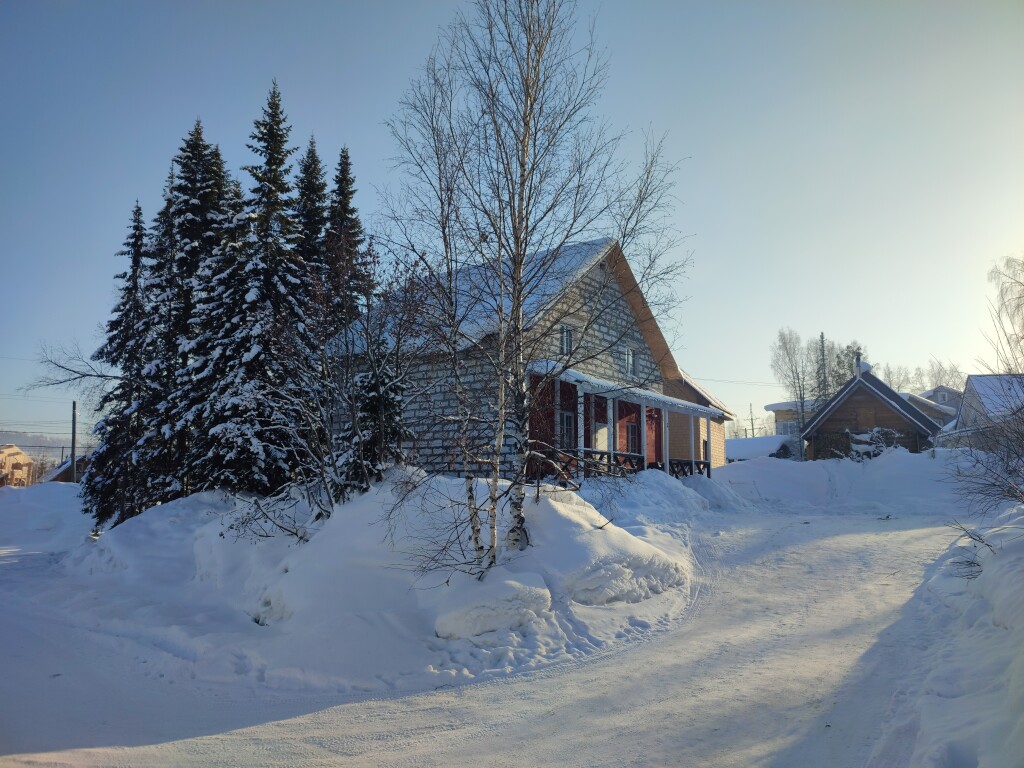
{"points": [[595, 385]]}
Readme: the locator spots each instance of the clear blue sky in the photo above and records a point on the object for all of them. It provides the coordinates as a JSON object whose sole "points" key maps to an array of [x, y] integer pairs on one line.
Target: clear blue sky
{"points": [[853, 168]]}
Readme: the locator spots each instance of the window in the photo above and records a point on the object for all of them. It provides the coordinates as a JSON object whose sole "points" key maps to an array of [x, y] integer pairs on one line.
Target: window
{"points": [[633, 438], [566, 430], [631, 362], [943, 397], [565, 341]]}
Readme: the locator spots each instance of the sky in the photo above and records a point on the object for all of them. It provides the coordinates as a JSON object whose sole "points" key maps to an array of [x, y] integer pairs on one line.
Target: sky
{"points": [[852, 168]]}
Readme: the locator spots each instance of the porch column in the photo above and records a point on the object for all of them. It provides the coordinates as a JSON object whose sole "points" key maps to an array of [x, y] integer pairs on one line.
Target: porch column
{"points": [[693, 450], [643, 435], [610, 413], [708, 457], [558, 414], [664, 440], [579, 421]]}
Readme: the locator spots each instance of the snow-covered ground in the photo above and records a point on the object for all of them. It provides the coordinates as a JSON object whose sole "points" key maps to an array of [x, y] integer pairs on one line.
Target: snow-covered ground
{"points": [[780, 614]]}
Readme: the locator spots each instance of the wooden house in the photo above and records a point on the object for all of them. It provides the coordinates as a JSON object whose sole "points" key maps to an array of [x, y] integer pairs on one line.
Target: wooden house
{"points": [[866, 403], [787, 416], [944, 396], [607, 392]]}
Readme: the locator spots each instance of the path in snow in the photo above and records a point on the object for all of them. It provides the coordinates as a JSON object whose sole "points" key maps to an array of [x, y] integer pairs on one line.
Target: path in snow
{"points": [[788, 658]]}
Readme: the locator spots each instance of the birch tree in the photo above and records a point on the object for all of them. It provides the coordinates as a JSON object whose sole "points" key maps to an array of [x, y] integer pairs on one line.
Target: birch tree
{"points": [[794, 366], [507, 164]]}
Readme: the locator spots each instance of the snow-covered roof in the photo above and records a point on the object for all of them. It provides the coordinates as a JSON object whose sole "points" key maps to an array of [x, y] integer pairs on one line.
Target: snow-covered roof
{"points": [[922, 402], [790, 405], [546, 280], [929, 393], [743, 448], [999, 394], [598, 386]]}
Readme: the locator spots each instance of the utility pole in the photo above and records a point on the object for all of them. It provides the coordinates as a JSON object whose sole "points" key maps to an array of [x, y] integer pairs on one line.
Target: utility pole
{"points": [[74, 441], [753, 432]]}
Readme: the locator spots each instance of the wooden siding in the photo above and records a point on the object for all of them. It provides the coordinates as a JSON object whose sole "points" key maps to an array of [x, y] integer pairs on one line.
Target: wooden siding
{"points": [[679, 427], [859, 413]]}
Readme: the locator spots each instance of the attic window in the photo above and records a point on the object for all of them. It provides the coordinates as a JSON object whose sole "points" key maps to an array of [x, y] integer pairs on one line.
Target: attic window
{"points": [[943, 397], [630, 362], [565, 346]]}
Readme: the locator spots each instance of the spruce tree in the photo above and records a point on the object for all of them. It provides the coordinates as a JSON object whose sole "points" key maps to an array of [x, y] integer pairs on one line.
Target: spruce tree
{"points": [[349, 274], [197, 208], [311, 210], [154, 457], [109, 485], [261, 418]]}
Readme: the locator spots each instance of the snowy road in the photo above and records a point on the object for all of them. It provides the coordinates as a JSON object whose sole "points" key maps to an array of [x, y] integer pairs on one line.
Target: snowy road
{"points": [[787, 657]]}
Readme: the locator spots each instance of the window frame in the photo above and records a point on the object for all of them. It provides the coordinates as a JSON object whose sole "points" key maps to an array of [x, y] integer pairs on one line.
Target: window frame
{"points": [[565, 340]]}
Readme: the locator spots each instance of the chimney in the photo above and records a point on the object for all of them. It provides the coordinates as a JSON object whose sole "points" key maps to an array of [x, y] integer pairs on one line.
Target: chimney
{"points": [[856, 367]]}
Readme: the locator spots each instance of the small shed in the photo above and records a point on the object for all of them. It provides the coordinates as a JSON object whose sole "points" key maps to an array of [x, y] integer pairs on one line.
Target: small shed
{"points": [[865, 405]]}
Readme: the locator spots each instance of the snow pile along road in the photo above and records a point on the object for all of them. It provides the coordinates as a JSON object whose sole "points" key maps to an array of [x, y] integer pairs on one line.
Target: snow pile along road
{"points": [[780, 614], [177, 600]]}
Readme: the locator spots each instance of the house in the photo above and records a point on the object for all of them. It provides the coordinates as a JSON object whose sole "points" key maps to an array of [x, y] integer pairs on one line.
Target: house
{"points": [[770, 446], [787, 416], [63, 472], [861, 406], [988, 401], [945, 396], [941, 414], [607, 394], [16, 468]]}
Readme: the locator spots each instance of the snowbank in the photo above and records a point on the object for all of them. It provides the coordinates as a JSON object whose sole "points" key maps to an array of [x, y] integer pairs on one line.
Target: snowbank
{"points": [[910, 483], [44, 518], [968, 708], [174, 591]]}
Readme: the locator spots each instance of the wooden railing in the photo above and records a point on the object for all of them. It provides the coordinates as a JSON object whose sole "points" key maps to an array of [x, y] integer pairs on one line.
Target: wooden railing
{"points": [[566, 464], [687, 468]]}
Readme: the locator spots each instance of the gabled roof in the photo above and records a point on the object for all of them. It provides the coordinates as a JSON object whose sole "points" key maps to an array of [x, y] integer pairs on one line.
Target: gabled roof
{"points": [[651, 331], [791, 405], [1000, 394], [546, 280], [923, 402], [929, 393], [878, 388]]}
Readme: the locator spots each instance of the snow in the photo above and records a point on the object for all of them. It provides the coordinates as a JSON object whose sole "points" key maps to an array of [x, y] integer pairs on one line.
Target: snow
{"points": [[815, 603], [743, 448]]}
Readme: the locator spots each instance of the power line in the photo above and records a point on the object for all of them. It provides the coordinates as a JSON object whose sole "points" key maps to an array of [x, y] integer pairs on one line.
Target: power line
{"points": [[737, 381], [13, 396]]}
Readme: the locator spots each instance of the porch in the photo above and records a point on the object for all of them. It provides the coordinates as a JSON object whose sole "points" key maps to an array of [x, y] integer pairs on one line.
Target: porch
{"points": [[584, 426]]}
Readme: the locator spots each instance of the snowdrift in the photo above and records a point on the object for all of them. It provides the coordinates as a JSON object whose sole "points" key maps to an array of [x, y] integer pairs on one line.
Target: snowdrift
{"points": [[966, 704], [913, 483], [179, 595]]}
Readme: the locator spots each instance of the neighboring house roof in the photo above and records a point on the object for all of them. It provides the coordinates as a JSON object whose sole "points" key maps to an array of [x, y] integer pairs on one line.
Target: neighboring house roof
{"points": [[1000, 394], [871, 383], [919, 401], [791, 405], [743, 448], [930, 393]]}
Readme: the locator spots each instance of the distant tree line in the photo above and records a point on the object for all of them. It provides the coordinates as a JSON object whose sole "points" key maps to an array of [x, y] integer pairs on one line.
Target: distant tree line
{"points": [[226, 335]]}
